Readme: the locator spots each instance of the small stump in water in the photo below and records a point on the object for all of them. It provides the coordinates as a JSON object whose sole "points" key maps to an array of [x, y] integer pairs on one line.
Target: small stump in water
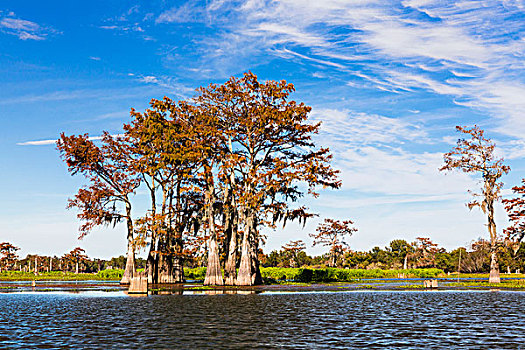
{"points": [[430, 283], [138, 285]]}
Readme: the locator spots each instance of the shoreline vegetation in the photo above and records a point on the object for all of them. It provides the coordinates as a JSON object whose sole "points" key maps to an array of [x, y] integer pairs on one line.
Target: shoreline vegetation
{"points": [[277, 276]]}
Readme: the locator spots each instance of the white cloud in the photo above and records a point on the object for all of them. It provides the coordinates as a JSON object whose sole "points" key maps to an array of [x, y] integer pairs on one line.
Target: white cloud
{"points": [[472, 52], [37, 143], [376, 155], [24, 29], [361, 129], [19, 24], [169, 83], [51, 142], [189, 12]]}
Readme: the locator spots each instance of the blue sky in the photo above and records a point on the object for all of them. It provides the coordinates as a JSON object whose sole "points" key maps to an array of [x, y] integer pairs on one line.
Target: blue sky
{"points": [[388, 79]]}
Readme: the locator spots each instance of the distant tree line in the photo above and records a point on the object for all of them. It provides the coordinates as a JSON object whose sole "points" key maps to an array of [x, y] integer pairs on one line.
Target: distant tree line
{"points": [[74, 261], [399, 254]]}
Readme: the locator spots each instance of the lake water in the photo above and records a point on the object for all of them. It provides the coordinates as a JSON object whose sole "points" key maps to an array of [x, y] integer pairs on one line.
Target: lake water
{"points": [[319, 320]]}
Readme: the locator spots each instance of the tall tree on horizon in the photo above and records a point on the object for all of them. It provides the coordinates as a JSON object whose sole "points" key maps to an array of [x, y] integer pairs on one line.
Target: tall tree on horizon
{"points": [[475, 155], [292, 249], [8, 256], [332, 233]]}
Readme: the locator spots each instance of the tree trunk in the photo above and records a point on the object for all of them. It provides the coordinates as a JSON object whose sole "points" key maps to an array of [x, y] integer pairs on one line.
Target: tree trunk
{"points": [[152, 263], [178, 270], [165, 268], [405, 262], [129, 271], [151, 267], [231, 224], [249, 273], [230, 268], [76, 268], [245, 276], [213, 271], [494, 268]]}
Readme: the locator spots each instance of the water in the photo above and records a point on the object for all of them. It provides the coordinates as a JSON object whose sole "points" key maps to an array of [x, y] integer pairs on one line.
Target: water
{"points": [[332, 320]]}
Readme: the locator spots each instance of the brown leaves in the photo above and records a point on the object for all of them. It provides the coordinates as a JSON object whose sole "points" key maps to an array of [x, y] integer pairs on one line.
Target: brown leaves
{"points": [[475, 155], [332, 232], [243, 148], [515, 208], [110, 175], [8, 255]]}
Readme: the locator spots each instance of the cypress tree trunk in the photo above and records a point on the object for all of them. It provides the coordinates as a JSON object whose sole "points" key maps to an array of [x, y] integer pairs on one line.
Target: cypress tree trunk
{"points": [[129, 271], [494, 268], [178, 270], [231, 224], [152, 262], [213, 271], [249, 273], [244, 278], [230, 268], [165, 268], [333, 259], [177, 260]]}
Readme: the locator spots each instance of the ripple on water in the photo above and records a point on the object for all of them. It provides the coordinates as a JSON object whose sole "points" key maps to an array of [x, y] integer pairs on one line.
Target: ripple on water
{"points": [[409, 320]]}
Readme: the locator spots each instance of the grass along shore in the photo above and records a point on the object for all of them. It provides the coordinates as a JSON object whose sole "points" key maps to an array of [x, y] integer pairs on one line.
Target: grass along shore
{"points": [[278, 275]]}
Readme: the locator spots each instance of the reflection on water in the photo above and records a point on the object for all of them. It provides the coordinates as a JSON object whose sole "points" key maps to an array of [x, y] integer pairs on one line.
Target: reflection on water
{"points": [[414, 319]]}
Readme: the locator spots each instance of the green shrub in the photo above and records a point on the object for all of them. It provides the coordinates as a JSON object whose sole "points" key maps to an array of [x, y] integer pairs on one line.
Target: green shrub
{"points": [[329, 274], [197, 273], [114, 274]]}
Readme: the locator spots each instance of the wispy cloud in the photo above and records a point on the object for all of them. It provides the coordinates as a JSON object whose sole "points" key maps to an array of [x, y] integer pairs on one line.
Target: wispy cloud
{"points": [[470, 52], [171, 84], [37, 143], [24, 29], [375, 155], [131, 21], [53, 142], [80, 94], [188, 12]]}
